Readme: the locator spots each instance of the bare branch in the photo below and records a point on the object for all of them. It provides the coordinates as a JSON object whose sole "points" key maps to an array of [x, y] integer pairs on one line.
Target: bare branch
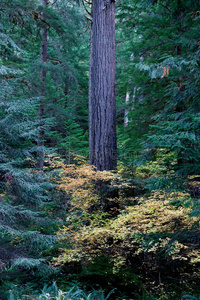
{"points": [[88, 2], [89, 13], [37, 16], [87, 18], [54, 60], [50, 4]]}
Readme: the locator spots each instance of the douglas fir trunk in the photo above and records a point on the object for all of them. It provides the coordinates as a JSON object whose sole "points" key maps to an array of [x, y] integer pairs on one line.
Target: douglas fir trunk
{"points": [[102, 106], [41, 112]]}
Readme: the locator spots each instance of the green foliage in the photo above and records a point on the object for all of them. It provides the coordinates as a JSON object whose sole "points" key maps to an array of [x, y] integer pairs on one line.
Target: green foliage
{"points": [[161, 63], [53, 292], [115, 233], [151, 235], [27, 227]]}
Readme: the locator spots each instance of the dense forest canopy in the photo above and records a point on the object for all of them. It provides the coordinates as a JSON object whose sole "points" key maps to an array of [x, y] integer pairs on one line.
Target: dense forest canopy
{"points": [[99, 149]]}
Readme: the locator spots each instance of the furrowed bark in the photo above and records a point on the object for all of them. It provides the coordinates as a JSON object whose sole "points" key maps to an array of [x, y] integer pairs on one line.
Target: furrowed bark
{"points": [[102, 104], [41, 111]]}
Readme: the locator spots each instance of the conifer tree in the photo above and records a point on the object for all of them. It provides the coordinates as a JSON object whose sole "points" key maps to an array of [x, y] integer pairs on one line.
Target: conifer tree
{"points": [[41, 112], [22, 191], [102, 107], [162, 40], [26, 227]]}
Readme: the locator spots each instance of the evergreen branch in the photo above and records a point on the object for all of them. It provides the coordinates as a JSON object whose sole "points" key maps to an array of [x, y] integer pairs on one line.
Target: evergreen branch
{"points": [[154, 46], [85, 30], [166, 7]]}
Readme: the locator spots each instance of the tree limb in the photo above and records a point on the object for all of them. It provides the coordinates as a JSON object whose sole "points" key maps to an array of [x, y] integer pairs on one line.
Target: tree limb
{"points": [[50, 4], [87, 18], [88, 2], [89, 13], [166, 7]]}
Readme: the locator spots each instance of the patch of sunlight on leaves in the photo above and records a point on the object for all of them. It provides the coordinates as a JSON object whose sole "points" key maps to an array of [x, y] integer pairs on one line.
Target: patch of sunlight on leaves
{"points": [[152, 225]]}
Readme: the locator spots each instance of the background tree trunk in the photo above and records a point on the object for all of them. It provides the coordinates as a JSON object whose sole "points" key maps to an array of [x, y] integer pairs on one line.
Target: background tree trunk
{"points": [[102, 106], [126, 109], [41, 112]]}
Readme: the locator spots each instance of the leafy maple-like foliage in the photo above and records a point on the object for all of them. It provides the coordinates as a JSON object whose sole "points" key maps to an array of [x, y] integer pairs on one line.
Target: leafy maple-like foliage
{"points": [[151, 234]]}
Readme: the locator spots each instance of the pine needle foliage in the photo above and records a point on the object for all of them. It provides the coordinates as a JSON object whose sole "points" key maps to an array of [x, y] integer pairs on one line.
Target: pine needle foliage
{"points": [[160, 55], [25, 230]]}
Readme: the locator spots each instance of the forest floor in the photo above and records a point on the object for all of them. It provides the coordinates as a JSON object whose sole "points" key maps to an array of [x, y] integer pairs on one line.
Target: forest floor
{"points": [[118, 237]]}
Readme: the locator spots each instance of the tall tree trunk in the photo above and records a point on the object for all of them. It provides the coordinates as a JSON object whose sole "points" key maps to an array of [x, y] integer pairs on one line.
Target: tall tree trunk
{"points": [[41, 112], [102, 106]]}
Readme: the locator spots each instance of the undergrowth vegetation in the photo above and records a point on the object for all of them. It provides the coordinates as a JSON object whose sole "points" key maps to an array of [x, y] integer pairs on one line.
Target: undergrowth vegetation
{"points": [[54, 293], [112, 231], [119, 234]]}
